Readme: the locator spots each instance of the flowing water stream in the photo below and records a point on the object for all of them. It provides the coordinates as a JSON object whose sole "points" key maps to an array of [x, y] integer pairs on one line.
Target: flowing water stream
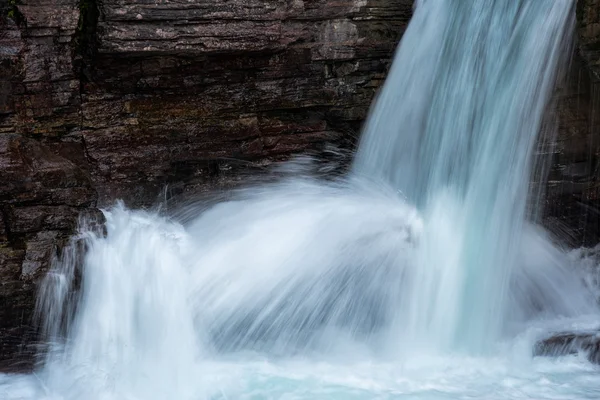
{"points": [[416, 276]]}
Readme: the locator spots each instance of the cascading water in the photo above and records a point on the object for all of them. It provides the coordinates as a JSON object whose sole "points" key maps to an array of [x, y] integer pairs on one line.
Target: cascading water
{"points": [[415, 276], [454, 129]]}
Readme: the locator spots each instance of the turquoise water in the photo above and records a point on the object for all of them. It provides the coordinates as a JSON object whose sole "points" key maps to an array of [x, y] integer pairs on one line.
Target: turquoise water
{"points": [[489, 378]]}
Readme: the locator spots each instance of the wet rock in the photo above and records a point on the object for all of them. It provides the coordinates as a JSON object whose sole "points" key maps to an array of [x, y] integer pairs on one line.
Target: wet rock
{"points": [[573, 190], [207, 91], [32, 174], [588, 18], [191, 94], [570, 343], [41, 197]]}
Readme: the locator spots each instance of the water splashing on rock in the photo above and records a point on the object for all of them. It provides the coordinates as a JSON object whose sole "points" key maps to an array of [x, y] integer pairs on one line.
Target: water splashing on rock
{"points": [[419, 263]]}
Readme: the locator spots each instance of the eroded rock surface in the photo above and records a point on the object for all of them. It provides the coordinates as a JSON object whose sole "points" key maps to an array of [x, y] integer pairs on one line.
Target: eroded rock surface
{"points": [[567, 343], [588, 12], [573, 189], [41, 198], [187, 93], [204, 89]]}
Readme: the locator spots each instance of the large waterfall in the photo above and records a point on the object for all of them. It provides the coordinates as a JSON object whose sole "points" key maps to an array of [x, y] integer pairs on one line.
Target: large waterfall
{"points": [[418, 275], [454, 129]]}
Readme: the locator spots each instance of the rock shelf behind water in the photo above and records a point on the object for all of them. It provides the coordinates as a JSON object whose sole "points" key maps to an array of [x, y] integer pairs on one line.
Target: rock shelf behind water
{"points": [[566, 343]]}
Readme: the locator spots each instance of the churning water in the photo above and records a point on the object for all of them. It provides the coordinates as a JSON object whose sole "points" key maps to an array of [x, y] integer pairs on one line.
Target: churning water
{"points": [[416, 276]]}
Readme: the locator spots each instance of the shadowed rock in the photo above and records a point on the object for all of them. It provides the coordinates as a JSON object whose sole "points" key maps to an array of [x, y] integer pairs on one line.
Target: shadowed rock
{"points": [[41, 197], [570, 343]]}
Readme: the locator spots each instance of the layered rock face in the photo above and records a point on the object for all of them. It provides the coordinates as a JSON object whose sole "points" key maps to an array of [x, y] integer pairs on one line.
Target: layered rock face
{"points": [[573, 201], [107, 99], [41, 198], [196, 87], [204, 89]]}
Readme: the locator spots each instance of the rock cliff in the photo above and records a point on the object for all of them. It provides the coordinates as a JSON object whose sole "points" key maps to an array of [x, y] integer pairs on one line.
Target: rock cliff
{"points": [[573, 201]]}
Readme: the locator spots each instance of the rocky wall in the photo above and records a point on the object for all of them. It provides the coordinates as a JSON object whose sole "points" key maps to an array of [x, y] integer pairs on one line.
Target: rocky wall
{"points": [[573, 201]]}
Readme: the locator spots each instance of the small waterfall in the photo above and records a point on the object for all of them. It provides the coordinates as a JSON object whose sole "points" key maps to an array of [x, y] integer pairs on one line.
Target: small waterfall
{"points": [[423, 250], [132, 321]]}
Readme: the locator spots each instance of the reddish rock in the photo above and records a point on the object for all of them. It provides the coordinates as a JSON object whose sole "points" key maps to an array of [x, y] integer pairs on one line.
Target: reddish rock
{"points": [[573, 189], [566, 343], [206, 90], [41, 197]]}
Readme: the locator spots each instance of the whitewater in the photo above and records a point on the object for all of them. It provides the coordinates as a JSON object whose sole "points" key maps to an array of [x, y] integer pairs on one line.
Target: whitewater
{"points": [[422, 273]]}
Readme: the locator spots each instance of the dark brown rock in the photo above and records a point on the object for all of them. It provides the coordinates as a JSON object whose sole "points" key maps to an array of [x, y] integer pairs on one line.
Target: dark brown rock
{"points": [[32, 174], [570, 343], [206, 90], [39, 91], [588, 13], [41, 197], [573, 190]]}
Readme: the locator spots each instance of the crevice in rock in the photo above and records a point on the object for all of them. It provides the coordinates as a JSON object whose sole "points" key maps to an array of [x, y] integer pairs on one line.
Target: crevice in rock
{"points": [[11, 10], [86, 152], [85, 39], [85, 45], [5, 218]]}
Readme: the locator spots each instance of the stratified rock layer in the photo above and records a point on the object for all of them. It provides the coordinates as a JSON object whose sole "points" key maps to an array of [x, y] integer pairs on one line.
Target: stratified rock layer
{"points": [[184, 92], [41, 198], [573, 201]]}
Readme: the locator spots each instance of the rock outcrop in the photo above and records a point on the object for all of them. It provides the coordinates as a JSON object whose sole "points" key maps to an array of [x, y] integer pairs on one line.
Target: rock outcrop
{"points": [[107, 99], [204, 89], [573, 201], [562, 344], [588, 13], [41, 198]]}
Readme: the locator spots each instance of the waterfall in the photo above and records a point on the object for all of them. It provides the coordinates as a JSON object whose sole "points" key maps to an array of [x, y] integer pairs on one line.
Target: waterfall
{"points": [[420, 255], [454, 128]]}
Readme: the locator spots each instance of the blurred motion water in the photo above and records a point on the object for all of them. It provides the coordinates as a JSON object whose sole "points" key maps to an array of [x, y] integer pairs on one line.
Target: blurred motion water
{"points": [[416, 276]]}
